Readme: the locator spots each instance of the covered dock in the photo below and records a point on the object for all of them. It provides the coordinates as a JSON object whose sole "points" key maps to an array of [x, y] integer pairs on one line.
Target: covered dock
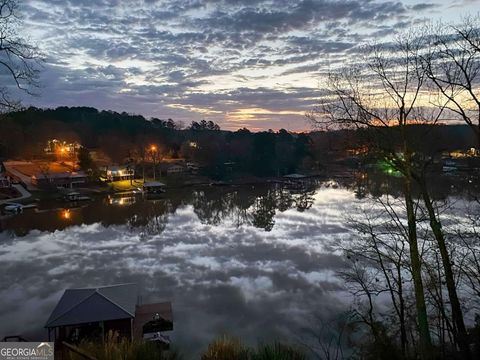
{"points": [[91, 313]]}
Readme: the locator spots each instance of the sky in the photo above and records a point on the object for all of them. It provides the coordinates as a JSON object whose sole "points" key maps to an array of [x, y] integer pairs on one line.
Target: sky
{"points": [[241, 63]]}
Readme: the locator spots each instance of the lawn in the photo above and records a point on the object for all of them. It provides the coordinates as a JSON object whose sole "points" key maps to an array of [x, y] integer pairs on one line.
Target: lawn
{"points": [[125, 185]]}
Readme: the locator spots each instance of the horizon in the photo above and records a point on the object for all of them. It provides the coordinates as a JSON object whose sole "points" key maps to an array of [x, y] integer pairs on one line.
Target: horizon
{"points": [[185, 126], [255, 64]]}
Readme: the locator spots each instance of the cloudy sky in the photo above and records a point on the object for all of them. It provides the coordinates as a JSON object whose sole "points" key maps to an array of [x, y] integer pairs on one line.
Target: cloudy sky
{"points": [[241, 63]]}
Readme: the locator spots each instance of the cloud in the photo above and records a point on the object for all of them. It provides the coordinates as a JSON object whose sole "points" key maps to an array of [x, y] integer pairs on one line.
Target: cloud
{"points": [[424, 6], [200, 54], [220, 278]]}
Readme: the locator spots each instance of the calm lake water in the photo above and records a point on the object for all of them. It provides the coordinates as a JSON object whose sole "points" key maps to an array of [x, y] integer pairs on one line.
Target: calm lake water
{"points": [[254, 262]]}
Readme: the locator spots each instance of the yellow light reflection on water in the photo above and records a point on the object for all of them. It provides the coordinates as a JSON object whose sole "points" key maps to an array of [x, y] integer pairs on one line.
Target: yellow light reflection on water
{"points": [[66, 214]]}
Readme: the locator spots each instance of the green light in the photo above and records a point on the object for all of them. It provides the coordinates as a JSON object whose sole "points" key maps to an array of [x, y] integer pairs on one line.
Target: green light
{"points": [[387, 167]]}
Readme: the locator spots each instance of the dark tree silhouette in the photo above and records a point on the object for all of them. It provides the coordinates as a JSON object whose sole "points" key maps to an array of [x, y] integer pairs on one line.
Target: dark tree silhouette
{"points": [[19, 60]]}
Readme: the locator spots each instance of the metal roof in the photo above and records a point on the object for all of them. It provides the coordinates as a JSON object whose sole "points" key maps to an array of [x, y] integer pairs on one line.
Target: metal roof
{"points": [[60, 175], [294, 176], [153, 184], [78, 306]]}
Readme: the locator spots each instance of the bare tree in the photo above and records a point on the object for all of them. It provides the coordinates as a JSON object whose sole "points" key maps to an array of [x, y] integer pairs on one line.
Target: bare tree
{"points": [[383, 93], [467, 258], [384, 244], [20, 62], [453, 66], [386, 94]]}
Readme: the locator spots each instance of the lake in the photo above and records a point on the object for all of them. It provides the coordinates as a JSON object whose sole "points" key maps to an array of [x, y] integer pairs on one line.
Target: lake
{"points": [[257, 262]]}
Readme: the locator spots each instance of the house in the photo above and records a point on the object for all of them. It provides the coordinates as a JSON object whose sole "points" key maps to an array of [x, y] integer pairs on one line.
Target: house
{"points": [[176, 169], [115, 173], [294, 176], [91, 313], [59, 179], [193, 167], [62, 147], [462, 153]]}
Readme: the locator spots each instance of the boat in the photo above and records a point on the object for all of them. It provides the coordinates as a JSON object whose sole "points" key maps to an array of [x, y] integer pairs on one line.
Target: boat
{"points": [[75, 196], [13, 208], [157, 337]]}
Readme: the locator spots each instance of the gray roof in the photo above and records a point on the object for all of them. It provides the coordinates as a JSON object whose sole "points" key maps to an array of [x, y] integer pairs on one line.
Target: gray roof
{"points": [[61, 175], [153, 184], [78, 306], [294, 176]]}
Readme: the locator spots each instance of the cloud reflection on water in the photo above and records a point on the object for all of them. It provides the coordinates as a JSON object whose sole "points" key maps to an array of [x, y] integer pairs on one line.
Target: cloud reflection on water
{"points": [[221, 278]]}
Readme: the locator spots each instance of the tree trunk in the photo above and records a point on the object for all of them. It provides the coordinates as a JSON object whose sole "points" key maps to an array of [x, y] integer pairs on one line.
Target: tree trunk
{"points": [[478, 134], [403, 329], [423, 328], [460, 331]]}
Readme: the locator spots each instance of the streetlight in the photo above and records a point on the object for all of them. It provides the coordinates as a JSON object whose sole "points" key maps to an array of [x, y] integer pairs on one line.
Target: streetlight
{"points": [[153, 150]]}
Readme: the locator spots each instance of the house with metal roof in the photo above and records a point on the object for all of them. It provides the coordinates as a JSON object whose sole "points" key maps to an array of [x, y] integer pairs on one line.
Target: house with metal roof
{"points": [[66, 179], [91, 313]]}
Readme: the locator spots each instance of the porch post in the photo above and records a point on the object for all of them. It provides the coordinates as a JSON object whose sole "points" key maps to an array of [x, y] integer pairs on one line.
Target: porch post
{"points": [[131, 329]]}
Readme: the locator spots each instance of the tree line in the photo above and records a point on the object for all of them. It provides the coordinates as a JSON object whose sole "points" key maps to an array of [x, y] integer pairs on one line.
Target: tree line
{"points": [[127, 138]]}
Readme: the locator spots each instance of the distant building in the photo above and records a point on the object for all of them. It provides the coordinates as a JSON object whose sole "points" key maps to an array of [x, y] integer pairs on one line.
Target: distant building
{"points": [[115, 173], [461, 154], [294, 176], [90, 313], [176, 170], [358, 151], [193, 167], [62, 148], [59, 179]]}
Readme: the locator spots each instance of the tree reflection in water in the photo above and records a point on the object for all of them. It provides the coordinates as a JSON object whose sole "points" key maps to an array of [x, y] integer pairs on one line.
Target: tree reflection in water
{"points": [[248, 206], [240, 205], [153, 218]]}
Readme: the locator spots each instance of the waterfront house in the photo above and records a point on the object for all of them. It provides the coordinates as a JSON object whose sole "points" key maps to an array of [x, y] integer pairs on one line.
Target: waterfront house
{"points": [[115, 173], [62, 148], [59, 179], [176, 169], [193, 167], [91, 313]]}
